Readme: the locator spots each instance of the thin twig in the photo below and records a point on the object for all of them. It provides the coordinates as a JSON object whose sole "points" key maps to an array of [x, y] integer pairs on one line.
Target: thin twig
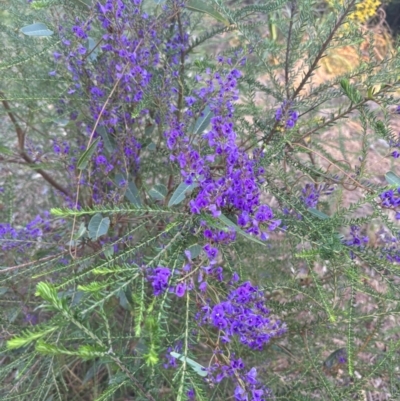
{"points": [[11, 268], [21, 147], [322, 50], [292, 9], [310, 70], [341, 170]]}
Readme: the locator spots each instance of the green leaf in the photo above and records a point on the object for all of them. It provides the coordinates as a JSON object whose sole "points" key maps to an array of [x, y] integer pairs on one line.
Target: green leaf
{"points": [[123, 300], [3, 290], [48, 349], [381, 129], [92, 287], [47, 292], [179, 195], [38, 29], [88, 352], [151, 146], [92, 49], [392, 178], [195, 250], [98, 226], [108, 251], [202, 7], [199, 369], [81, 231], [131, 191], [40, 4], [230, 223], [5, 151], [132, 194], [27, 337], [86, 155], [351, 92], [318, 213], [203, 121], [158, 192], [108, 140]]}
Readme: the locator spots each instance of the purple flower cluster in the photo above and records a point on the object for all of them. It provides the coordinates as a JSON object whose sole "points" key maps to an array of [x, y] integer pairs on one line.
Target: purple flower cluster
{"points": [[247, 385], [356, 239], [245, 316], [395, 143], [170, 360], [287, 115], [312, 192], [115, 74], [391, 200], [23, 238], [225, 175], [220, 236], [61, 148], [390, 249], [159, 279]]}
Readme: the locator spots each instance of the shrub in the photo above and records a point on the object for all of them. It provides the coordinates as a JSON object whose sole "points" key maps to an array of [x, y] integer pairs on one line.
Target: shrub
{"points": [[205, 219]]}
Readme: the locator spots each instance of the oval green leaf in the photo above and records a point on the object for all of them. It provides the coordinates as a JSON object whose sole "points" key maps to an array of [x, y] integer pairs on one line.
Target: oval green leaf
{"points": [[318, 213], [38, 29], [158, 192], [230, 223], [108, 140], [98, 226], [392, 178], [132, 194], [92, 49], [179, 195], [86, 155], [202, 7], [199, 369], [203, 121], [195, 250]]}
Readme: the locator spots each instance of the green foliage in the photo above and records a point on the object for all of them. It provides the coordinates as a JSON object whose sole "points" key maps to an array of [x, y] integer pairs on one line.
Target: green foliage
{"points": [[98, 226]]}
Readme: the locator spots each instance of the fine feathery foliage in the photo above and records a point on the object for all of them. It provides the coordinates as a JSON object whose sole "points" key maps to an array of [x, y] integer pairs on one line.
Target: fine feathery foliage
{"points": [[194, 203]]}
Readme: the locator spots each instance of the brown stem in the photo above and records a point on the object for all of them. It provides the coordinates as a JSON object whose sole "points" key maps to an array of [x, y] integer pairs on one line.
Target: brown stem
{"points": [[292, 10], [21, 147], [181, 69], [322, 50], [311, 69], [8, 269]]}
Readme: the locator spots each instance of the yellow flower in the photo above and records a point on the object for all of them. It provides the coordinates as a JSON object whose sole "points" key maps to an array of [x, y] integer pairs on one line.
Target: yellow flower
{"points": [[363, 11]]}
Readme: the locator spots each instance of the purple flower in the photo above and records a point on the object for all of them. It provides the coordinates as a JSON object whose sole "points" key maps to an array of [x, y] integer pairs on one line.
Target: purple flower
{"points": [[190, 100], [240, 394], [290, 116], [180, 290], [251, 376], [210, 251], [79, 32], [356, 240], [97, 92], [160, 279], [191, 394], [101, 160], [245, 316]]}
